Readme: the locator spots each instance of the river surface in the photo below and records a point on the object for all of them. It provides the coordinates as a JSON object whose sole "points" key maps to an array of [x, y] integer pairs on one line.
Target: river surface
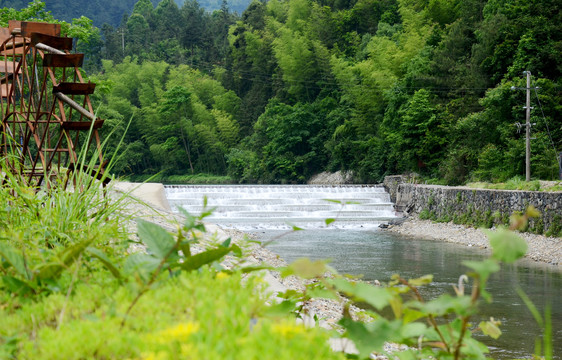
{"points": [[378, 255]]}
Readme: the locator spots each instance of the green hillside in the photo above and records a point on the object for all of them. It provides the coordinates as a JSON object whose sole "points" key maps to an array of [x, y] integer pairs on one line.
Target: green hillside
{"points": [[291, 88]]}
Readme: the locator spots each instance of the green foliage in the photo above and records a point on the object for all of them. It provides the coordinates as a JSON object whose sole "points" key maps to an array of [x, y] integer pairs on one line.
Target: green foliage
{"points": [[377, 87], [184, 121], [46, 235], [555, 228], [80, 27], [515, 183], [183, 179], [81, 284], [35, 10], [292, 138], [243, 165], [161, 326], [424, 214]]}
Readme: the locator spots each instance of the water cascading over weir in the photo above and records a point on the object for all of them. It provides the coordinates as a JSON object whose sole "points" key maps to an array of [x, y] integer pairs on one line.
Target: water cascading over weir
{"points": [[250, 207]]}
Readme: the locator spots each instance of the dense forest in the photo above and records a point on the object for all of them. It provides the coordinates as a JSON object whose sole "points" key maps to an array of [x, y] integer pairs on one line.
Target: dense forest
{"points": [[290, 88]]}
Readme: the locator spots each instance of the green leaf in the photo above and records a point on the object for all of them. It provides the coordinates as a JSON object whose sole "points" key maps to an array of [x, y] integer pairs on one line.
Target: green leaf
{"points": [[506, 245], [424, 280], [306, 269], [282, 309], [249, 269], [473, 349], [100, 255], [207, 212], [236, 251], [200, 227], [53, 269], [142, 263], [483, 268], [49, 270], [373, 295], [322, 293], [196, 261], [372, 336], [70, 254], [290, 294], [363, 339], [413, 330], [14, 258], [185, 248], [329, 221], [157, 239], [333, 201], [532, 212], [490, 328], [16, 285], [190, 220], [406, 355], [410, 315], [532, 308], [446, 304], [226, 243]]}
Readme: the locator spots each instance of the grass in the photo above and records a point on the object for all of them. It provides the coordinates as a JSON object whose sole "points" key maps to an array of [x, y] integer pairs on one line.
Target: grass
{"points": [[517, 183]]}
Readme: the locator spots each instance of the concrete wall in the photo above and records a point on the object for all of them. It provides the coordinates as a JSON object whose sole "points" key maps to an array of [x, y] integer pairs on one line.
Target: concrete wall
{"points": [[481, 206]]}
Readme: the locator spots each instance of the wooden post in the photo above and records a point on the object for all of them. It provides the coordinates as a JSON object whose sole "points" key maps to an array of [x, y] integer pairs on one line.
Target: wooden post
{"points": [[560, 165]]}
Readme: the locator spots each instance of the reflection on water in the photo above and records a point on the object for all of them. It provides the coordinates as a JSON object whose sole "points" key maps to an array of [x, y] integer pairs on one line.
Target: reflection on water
{"points": [[379, 255]]}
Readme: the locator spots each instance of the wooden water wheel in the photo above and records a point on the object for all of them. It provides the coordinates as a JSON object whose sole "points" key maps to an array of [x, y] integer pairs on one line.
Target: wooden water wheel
{"points": [[47, 116]]}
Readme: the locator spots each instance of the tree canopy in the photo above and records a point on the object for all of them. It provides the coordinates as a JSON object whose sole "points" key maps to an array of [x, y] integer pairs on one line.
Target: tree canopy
{"points": [[289, 88]]}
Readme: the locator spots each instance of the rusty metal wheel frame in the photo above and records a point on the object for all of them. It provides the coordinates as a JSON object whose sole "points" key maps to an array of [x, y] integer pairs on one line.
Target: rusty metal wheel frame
{"points": [[47, 116]]}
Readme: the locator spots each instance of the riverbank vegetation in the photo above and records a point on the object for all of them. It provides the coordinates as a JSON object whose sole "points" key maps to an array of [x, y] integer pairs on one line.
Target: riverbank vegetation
{"points": [[517, 183], [287, 89]]}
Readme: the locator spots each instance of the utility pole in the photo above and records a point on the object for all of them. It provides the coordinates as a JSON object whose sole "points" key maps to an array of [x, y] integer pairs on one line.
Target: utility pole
{"points": [[527, 125], [560, 165], [122, 33], [528, 129]]}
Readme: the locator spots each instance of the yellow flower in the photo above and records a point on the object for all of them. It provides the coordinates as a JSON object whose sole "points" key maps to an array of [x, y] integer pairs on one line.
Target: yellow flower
{"points": [[177, 332], [287, 330], [222, 275], [152, 356]]}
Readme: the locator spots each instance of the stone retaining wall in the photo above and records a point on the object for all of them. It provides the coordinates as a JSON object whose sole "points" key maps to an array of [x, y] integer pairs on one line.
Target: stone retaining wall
{"points": [[482, 207]]}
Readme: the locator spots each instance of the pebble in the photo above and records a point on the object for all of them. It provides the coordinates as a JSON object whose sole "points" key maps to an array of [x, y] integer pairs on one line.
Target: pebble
{"points": [[542, 249]]}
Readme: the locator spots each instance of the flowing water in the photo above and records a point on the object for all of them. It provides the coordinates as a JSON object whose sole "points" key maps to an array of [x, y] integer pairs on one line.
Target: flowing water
{"points": [[356, 246], [276, 206]]}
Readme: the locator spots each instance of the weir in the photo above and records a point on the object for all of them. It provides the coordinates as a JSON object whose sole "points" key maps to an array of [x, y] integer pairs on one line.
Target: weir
{"points": [[250, 207]]}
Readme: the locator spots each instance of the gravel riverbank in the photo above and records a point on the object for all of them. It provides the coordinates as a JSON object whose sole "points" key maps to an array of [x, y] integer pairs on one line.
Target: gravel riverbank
{"points": [[541, 248]]}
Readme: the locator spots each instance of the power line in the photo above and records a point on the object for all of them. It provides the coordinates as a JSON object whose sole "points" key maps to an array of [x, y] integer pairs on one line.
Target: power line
{"points": [[559, 156]]}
